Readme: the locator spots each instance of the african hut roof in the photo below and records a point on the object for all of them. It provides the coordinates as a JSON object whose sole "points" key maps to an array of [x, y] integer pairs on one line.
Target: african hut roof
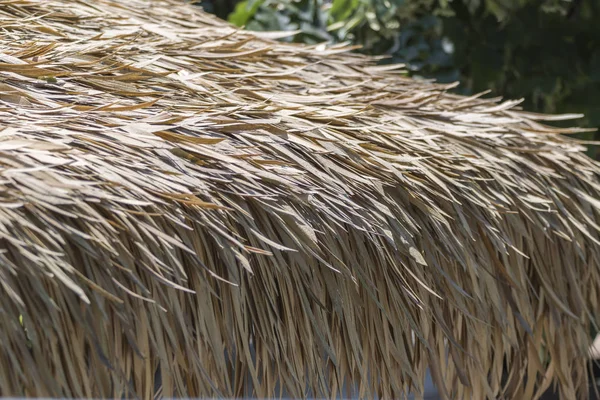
{"points": [[190, 206]]}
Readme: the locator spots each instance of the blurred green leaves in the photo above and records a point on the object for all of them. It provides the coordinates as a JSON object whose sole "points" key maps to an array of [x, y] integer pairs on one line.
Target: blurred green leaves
{"points": [[546, 51], [342, 10], [244, 11]]}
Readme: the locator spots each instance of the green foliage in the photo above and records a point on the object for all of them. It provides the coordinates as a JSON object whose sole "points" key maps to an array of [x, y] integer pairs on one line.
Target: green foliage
{"points": [[546, 51], [308, 16], [244, 11]]}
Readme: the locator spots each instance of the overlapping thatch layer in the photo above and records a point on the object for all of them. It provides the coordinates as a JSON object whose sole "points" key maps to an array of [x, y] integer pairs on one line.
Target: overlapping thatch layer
{"points": [[185, 200]]}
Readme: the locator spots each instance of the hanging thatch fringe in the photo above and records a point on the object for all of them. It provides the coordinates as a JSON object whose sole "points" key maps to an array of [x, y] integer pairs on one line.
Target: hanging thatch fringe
{"points": [[183, 200]]}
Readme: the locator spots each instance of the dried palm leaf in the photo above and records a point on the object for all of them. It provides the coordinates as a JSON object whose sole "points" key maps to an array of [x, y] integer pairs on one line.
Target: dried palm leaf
{"points": [[188, 206]]}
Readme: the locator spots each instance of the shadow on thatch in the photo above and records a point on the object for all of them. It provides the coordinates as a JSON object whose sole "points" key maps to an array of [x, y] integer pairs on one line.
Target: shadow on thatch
{"points": [[175, 192]]}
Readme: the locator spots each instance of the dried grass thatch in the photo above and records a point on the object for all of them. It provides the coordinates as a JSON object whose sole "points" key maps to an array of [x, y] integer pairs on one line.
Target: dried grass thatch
{"points": [[185, 200]]}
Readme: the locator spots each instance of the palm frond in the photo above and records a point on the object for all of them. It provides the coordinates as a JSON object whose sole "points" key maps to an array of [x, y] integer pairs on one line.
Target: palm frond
{"points": [[183, 200]]}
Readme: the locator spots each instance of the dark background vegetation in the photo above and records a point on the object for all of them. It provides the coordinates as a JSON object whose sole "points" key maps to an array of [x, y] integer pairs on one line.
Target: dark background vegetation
{"points": [[545, 51]]}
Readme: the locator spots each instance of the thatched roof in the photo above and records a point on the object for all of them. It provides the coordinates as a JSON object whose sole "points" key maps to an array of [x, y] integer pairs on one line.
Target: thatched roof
{"points": [[184, 200]]}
